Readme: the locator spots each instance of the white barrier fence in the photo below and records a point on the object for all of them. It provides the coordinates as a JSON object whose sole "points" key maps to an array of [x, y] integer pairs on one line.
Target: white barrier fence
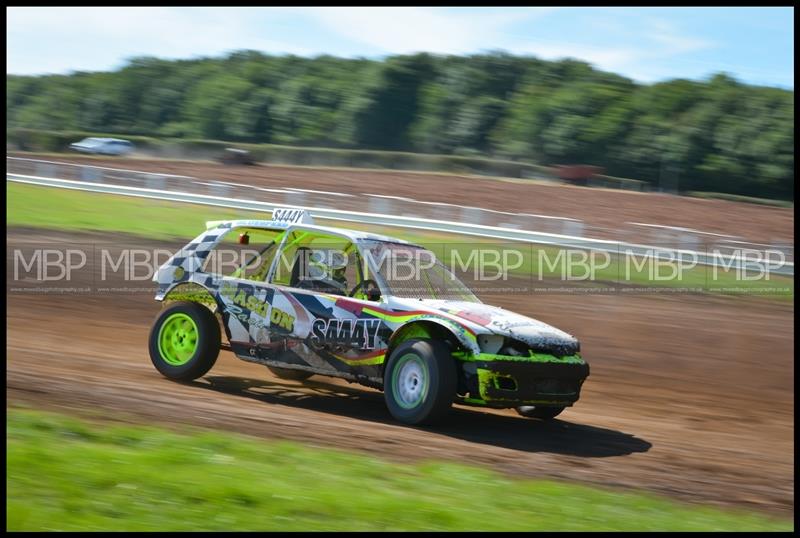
{"points": [[374, 203], [669, 237], [741, 259]]}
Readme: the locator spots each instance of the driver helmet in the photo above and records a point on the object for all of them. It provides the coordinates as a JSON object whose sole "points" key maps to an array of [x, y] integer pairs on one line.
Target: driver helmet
{"points": [[328, 265]]}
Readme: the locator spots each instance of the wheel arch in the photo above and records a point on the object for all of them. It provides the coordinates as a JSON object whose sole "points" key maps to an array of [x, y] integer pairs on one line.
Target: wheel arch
{"points": [[431, 329], [192, 292]]}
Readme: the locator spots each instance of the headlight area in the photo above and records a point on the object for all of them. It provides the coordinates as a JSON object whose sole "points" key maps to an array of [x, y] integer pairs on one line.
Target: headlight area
{"points": [[517, 374], [490, 343], [557, 348]]}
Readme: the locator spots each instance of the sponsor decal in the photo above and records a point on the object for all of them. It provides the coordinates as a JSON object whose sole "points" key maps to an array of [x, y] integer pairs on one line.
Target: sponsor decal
{"points": [[240, 298], [238, 313], [281, 319], [507, 324], [356, 333]]}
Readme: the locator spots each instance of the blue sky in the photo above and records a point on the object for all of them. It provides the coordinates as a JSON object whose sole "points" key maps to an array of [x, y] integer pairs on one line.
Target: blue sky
{"points": [[756, 45]]}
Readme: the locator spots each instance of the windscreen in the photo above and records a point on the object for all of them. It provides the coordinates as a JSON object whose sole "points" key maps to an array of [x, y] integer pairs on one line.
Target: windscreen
{"points": [[414, 272]]}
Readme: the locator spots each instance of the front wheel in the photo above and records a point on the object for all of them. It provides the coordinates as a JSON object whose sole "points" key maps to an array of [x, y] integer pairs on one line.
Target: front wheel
{"points": [[419, 382], [184, 341], [539, 411]]}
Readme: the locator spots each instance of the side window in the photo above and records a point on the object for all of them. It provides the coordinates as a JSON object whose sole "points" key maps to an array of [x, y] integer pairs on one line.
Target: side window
{"points": [[245, 253], [355, 267], [327, 264]]}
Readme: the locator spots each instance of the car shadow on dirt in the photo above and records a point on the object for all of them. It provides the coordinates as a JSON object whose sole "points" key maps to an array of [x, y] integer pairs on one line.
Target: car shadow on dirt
{"points": [[472, 425]]}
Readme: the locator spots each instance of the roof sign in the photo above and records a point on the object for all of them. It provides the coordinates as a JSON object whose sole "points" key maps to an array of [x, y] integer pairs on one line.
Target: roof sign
{"points": [[292, 215]]}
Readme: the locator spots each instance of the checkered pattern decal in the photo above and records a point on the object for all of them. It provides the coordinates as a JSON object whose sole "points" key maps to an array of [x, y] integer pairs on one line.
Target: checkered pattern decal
{"points": [[183, 266]]}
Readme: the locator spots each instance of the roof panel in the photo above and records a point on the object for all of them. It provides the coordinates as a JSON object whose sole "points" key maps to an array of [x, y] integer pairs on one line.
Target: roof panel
{"points": [[353, 235]]}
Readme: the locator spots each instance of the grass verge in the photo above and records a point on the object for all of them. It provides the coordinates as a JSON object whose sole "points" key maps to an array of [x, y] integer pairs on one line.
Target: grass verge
{"points": [[68, 474]]}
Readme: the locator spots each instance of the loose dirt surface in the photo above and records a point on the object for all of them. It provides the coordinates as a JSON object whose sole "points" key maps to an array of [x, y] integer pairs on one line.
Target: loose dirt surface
{"points": [[689, 395], [604, 211]]}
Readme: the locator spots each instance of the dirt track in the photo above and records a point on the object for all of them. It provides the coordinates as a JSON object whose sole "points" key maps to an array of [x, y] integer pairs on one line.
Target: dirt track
{"points": [[600, 209], [689, 396]]}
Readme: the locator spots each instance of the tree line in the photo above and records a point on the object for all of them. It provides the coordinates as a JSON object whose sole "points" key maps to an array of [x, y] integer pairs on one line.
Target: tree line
{"points": [[716, 135]]}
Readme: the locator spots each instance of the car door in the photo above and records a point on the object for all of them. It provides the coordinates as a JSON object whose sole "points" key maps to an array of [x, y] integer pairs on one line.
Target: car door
{"points": [[320, 325]]}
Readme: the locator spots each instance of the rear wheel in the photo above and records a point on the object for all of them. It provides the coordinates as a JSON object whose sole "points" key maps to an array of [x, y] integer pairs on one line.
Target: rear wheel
{"points": [[184, 341], [539, 411], [289, 373], [419, 382]]}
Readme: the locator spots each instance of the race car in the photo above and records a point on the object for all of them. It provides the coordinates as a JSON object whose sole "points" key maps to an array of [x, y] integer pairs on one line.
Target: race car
{"points": [[303, 300]]}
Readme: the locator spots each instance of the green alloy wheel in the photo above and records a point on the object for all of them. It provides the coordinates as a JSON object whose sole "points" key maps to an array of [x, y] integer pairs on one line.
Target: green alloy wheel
{"points": [[420, 381], [184, 341], [177, 339]]}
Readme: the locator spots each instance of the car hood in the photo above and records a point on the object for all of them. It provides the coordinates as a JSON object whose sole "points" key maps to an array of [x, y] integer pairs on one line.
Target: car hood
{"points": [[482, 318]]}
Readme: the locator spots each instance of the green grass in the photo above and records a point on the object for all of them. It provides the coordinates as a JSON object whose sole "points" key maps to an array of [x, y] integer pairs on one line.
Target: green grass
{"points": [[66, 474], [62, 209]]}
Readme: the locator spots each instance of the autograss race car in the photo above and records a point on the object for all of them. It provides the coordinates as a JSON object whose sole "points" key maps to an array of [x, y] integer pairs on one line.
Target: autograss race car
{"points": [[303, 299]]}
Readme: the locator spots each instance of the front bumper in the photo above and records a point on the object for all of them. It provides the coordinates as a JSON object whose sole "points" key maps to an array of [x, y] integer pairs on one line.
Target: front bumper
{"points": [[505, 381]]}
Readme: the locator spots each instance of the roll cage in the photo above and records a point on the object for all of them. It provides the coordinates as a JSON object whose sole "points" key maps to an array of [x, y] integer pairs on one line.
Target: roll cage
{"points": [[289, 252]]}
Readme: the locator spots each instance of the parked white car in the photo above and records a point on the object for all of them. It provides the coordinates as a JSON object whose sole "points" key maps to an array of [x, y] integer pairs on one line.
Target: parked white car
{"points": [[104, 146]]}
